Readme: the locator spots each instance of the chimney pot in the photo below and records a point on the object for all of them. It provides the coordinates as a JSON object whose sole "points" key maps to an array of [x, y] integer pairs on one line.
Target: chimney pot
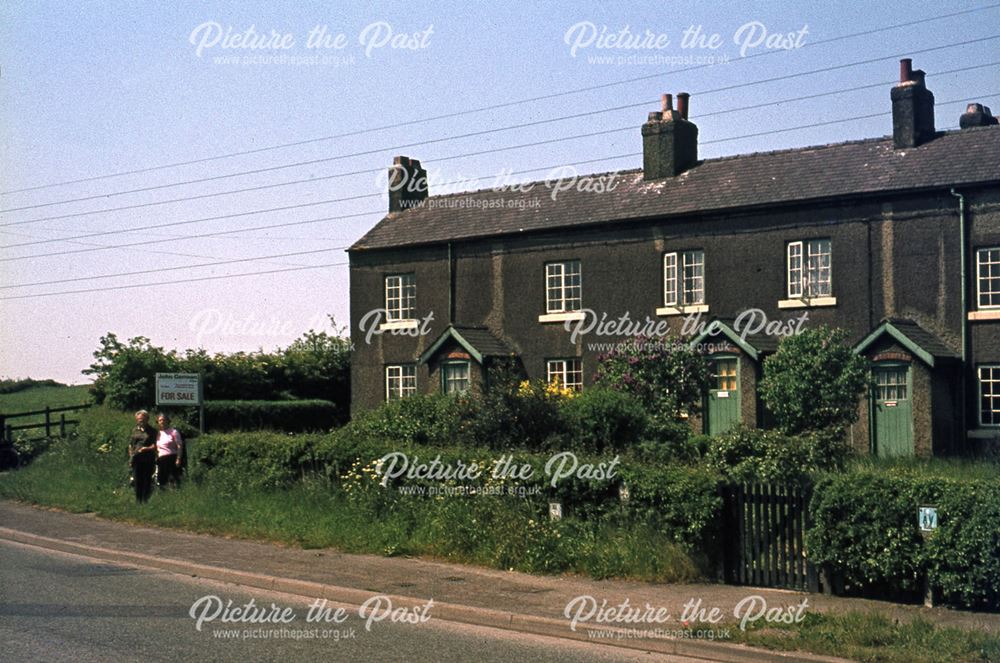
{"points": [[906, 70], [682, 104], [666, 103]]}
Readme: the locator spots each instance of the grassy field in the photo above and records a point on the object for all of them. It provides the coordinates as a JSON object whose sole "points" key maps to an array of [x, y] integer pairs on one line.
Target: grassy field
{"points": [[37, 398]]}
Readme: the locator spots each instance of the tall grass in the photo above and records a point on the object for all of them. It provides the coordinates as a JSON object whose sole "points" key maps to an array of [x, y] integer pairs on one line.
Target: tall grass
{"points": [[946, 468], [499, 532], [871, 637]]}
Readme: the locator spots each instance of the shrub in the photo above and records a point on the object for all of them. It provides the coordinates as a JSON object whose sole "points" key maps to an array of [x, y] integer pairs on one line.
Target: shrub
{"points": [[683, 503], [813, 382], [668, 378], [287, 416], [255, 460], [753, 454], [515, 414], [601, 419], [435, 419], [670, 441], [865, 528]]}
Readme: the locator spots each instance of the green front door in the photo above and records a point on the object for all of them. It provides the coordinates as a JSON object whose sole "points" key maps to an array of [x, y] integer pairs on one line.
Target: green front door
{"points": [[893, 412], [723, 408]]}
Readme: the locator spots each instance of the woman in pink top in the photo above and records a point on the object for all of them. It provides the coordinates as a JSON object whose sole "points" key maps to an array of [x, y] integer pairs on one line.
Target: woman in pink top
{"points": [[169, 452]]}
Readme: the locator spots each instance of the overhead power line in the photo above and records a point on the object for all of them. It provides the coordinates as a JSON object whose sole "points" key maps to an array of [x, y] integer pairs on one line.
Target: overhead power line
{"points": [[282, 255], [349, 198], [216, 263], [473, 134], [175, 281], [493, 106]]}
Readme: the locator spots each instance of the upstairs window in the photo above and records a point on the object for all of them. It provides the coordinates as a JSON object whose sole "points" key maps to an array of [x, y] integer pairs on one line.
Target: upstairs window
{"points": [[566, 373], [400, 296], [400, 381], [563, 287], [684, 278], [810, 271], [988, 277]]}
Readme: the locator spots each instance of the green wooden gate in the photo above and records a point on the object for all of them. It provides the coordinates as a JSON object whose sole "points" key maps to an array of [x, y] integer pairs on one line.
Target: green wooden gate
{"points": [[892, 410], [723, 406]]}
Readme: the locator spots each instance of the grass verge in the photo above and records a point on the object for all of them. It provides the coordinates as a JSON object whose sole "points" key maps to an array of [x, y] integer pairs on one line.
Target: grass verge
{"points": [[499, 532], [874, 638]]}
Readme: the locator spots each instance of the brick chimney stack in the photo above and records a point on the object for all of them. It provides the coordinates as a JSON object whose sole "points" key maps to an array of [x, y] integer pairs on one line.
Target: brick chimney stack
{"points": [[407, 184], [669, 140], [976, 115], [912, 108]]}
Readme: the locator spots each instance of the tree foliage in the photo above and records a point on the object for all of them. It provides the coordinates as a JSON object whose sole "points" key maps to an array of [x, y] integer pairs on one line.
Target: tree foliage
{"points": [[314, 366], [813, 382]]}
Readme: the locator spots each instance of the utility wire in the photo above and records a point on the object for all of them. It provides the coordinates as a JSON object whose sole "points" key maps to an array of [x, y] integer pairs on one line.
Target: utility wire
{"points": [[216, 263], [490, 107], [362, 196], [159, 251], [443, 139], [175, 281], [315, 251]]}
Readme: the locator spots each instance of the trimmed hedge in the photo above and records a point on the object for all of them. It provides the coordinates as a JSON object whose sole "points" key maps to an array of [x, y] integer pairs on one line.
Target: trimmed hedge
{"points": [[288, 416], [865, 528]]}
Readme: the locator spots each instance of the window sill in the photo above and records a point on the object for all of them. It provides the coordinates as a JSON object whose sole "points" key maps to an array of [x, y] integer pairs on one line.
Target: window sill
{"points": [[571, 316], [390, 325], [682, 310], [984, 433], [813, 302], [985, 315]]}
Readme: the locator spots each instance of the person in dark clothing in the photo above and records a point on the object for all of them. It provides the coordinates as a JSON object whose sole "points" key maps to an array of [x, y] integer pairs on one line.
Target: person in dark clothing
{"points": [[142, 455]]}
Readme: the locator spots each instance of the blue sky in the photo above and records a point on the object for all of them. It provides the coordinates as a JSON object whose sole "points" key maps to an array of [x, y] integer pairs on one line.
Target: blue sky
{"points": [[88, 89]]}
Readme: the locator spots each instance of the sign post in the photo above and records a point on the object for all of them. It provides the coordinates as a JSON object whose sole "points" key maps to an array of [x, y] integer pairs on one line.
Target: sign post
{"points": [[181, 389], [927, 521]]}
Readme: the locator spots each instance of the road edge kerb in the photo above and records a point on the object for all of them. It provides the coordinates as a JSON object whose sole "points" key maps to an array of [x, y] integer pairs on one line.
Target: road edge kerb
{"points": [[463, 614]]}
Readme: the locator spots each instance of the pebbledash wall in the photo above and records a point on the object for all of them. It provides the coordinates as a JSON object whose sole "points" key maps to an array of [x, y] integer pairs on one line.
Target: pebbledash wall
{"points": [[887, 206]]}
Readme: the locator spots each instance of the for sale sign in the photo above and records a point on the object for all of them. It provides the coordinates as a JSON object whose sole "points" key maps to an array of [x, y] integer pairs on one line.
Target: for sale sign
{"points": [[178, 389]]}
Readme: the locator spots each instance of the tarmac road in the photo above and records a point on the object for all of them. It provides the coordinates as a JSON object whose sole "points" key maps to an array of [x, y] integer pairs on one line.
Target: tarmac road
{"points": [[57, 606]]}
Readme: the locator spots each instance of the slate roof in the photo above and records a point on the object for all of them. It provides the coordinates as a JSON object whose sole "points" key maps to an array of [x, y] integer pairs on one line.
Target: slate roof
{"points": [[484, 341], [925, 339], [481, 340], [926, 345], [956, 158]]}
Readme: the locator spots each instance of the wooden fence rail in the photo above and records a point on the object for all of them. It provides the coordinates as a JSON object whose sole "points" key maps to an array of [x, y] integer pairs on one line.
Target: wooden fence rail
{"points": [[7, 430]]}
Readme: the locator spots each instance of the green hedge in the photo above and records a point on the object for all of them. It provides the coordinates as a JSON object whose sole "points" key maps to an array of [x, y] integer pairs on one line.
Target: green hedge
{"points": [[680, 502], [865, 528], [288, 416]]}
